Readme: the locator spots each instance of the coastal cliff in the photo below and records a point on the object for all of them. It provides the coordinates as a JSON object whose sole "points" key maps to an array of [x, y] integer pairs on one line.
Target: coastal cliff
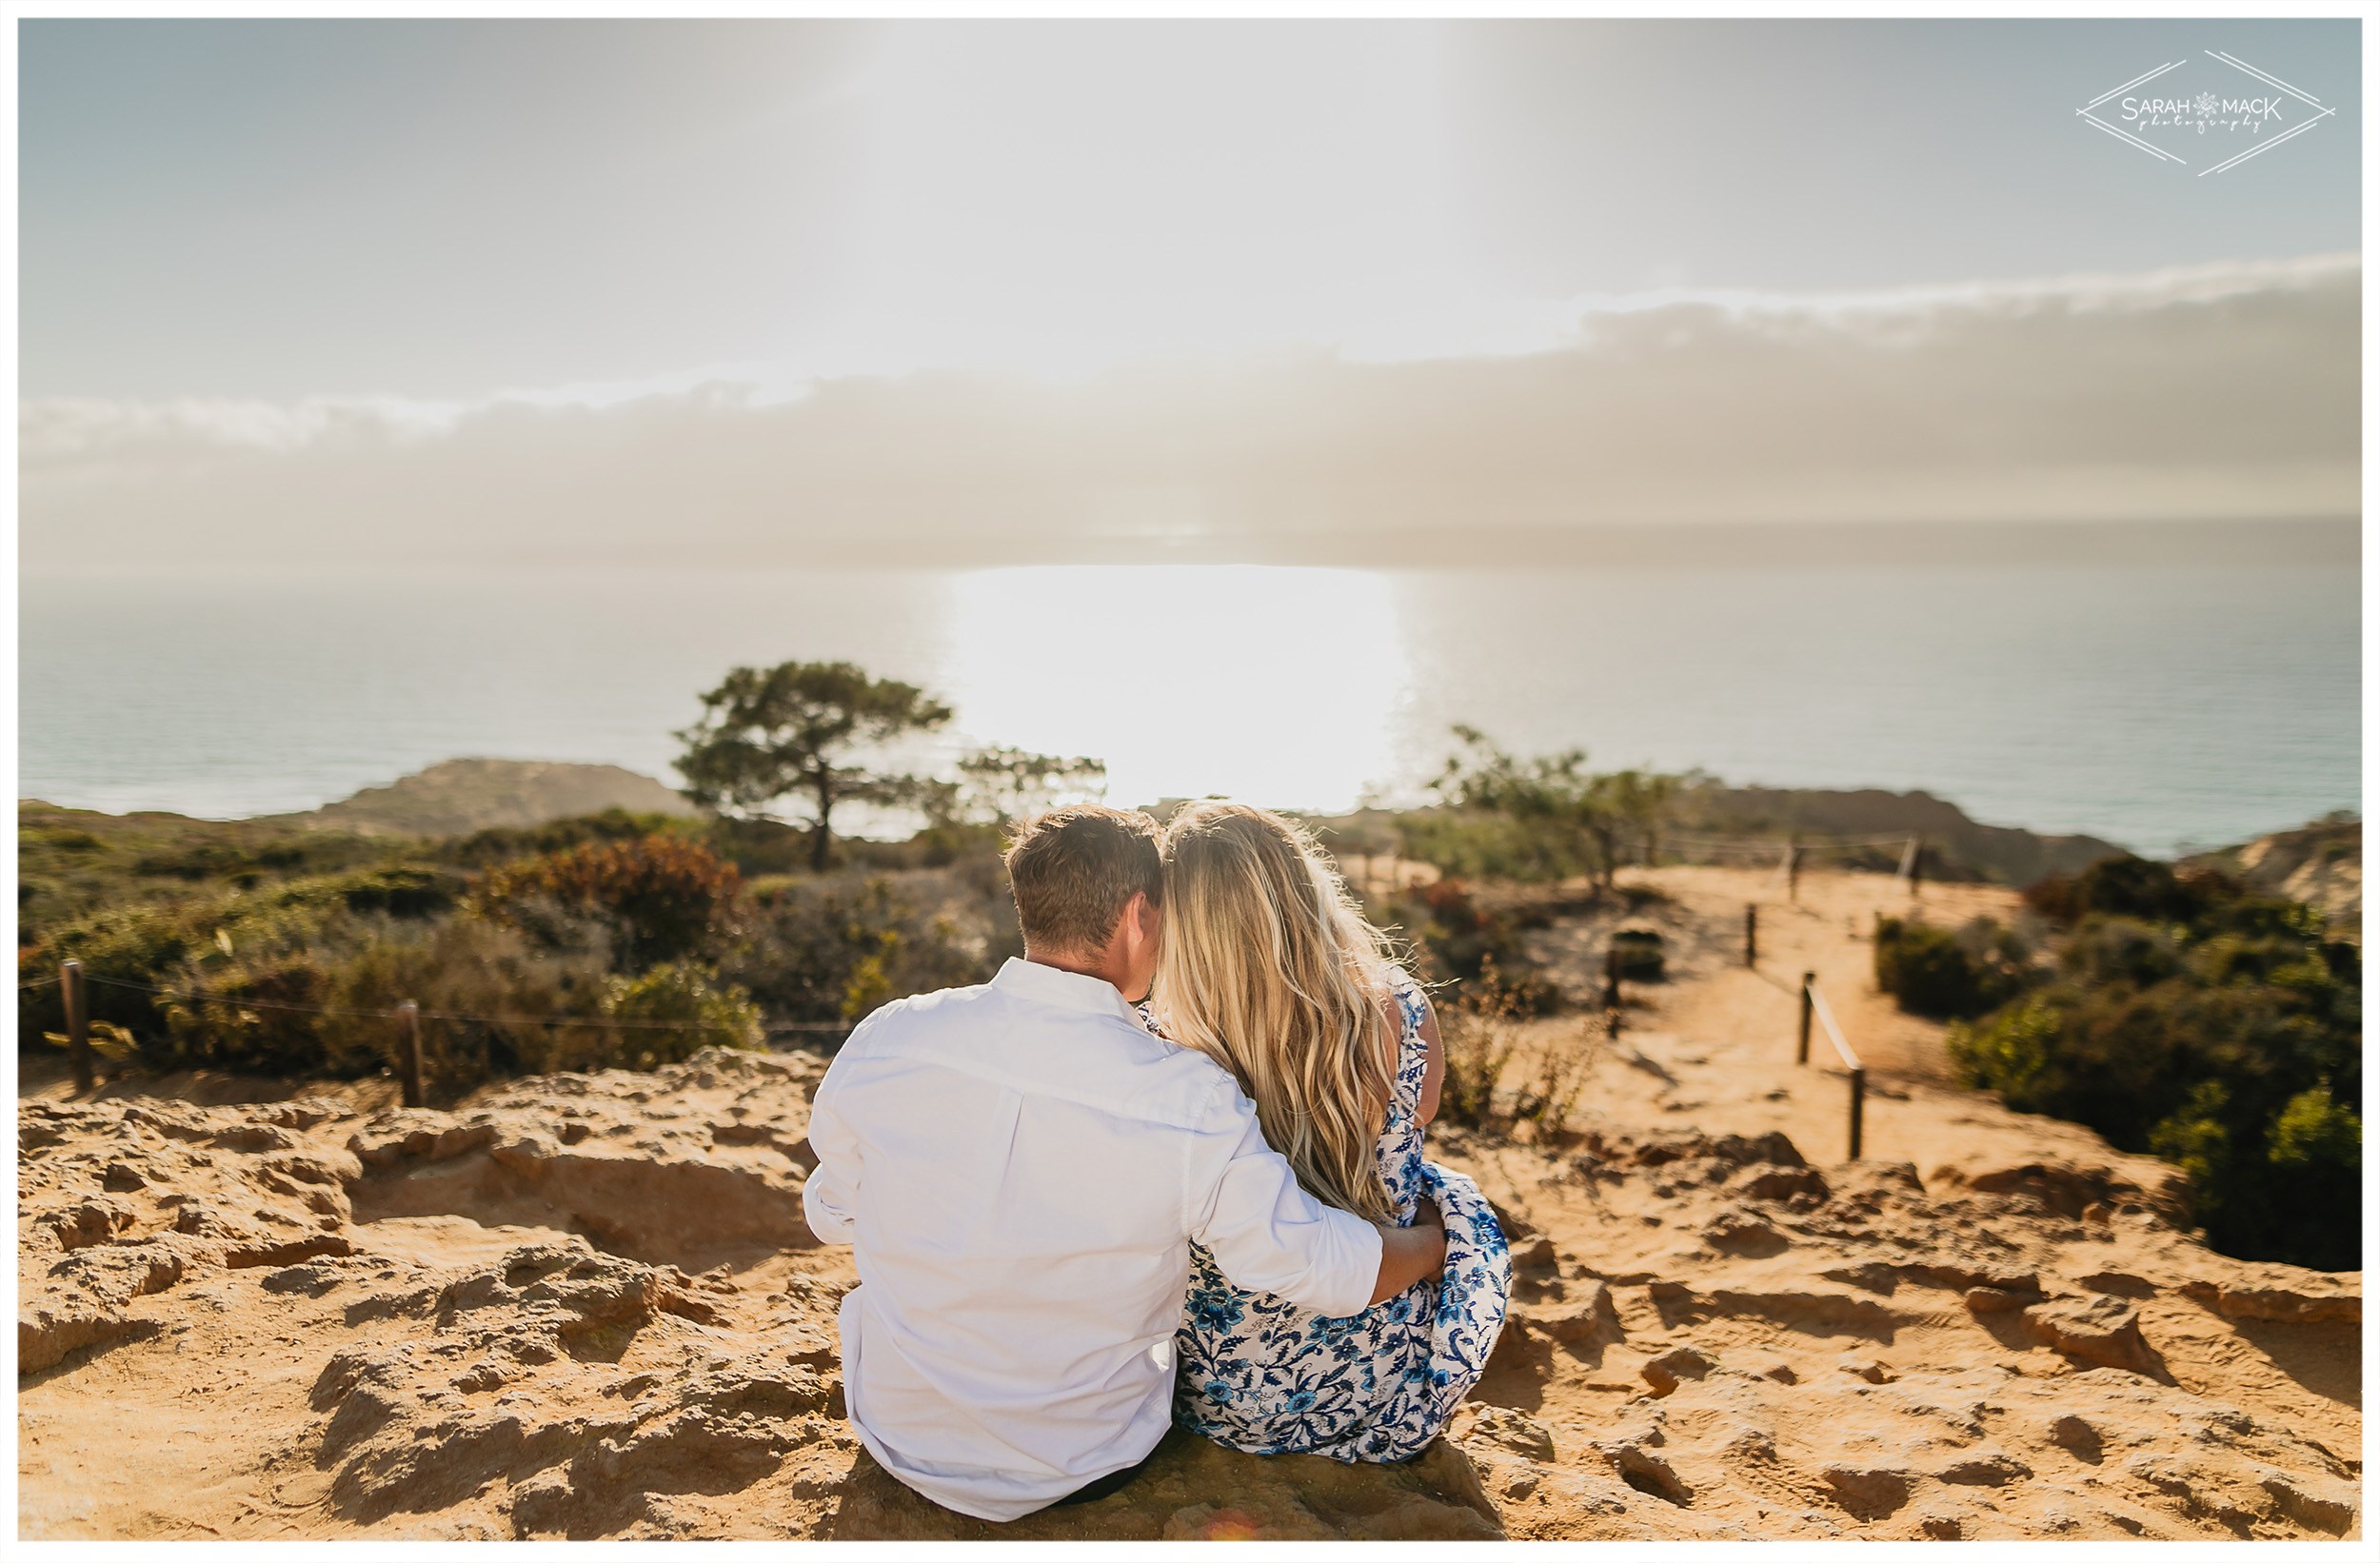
{"points": [[585, 1305]]}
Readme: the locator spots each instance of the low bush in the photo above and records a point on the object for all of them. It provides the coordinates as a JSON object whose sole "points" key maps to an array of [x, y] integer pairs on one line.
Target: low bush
{"points": [[1472, 843], [484, 849], [674, 1011], [1640, 955], [1481, 1036], [2220, 1030], [667, 897], [1935, 972], [832, 949], [1457, 939]]}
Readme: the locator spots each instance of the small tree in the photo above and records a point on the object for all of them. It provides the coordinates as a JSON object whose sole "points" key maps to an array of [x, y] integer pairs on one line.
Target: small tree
{"points": [[1560, 807], [1009, 784], [1642, 799], [802, 730]]}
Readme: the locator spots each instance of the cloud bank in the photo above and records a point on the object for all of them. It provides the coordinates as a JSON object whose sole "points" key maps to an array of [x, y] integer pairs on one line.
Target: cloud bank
{"points": [[2212, 394]]}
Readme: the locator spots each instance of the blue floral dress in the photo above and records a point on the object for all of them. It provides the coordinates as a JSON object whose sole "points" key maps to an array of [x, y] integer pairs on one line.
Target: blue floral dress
{"points": [[1262, 1374]]}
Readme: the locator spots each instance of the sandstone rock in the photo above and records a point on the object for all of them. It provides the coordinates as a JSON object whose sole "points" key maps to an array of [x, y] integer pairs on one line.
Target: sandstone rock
{"points": [[84, 1222], [1773, 1148], [85, 1297], [1970, 1275], [1993, 1470], [1588, 1319], [2117, 1283], [416, 1135], [1738, 1231], [253, 1138], [1532, 1254], [1990, 1299], [2326, 1505], [1649, 1473], [494, 1361], [2078, 1437], [2102, 1330], [2287, 1305], [1868, 1492], [1502, 1428], [1665, 1373], [1780, 1184]]}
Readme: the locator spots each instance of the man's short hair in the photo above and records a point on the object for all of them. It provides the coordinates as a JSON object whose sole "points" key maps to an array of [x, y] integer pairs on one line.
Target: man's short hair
{"points": [[1074, 869]]}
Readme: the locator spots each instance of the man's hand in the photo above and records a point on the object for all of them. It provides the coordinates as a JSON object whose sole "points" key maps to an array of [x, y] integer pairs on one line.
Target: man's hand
{"points": [[1410, 1253]]}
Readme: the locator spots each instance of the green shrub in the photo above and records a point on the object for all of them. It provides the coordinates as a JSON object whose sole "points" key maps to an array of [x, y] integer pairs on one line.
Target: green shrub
{"points": [[1640, 955], [2008, 1053], [506, 844], [1933, 971], [2314, 1131], [1457, 939], [2214, 1028], [204, 860], [822, 950], [1467, 844], [674, 1011], [61, 838], [407, 892], [2119, 886], [128, 950], [494, 1002], [2109, 951], [668, 898]]}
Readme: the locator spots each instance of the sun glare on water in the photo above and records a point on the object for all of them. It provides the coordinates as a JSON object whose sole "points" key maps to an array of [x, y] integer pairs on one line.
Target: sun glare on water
{"points": [[1273, 684]]}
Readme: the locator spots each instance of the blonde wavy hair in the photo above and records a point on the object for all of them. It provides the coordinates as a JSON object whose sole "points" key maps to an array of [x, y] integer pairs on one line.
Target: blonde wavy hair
{"points": [[1267, 968]]}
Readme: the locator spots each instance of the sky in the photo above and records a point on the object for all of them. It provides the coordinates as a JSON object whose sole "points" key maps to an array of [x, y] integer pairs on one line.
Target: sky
{"points": [[363, 290]]}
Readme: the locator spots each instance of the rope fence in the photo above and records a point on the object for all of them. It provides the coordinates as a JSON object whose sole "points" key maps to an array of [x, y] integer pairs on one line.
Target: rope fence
{"points": [[1814, 1004], [408, 1015], [600, 1022], [1791, 853]]}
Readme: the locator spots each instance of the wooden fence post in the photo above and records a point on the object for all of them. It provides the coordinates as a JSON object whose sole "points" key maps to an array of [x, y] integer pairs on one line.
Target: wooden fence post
{"points": [[1793, 871], [410, 1056], [1801, 1050], [1858, 1103], [1752, 934], [77, 1025], [1611, 977]]}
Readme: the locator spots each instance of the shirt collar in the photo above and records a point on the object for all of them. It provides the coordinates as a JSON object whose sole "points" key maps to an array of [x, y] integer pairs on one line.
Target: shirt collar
{"points": [[1067, 990]]}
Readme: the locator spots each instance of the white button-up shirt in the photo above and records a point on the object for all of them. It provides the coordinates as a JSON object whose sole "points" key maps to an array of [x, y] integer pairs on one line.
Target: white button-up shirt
{"points": [[1020, 1168]]}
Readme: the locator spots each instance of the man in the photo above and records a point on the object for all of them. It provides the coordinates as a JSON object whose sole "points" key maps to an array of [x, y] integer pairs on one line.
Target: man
{"points": [[1021, 1168]]}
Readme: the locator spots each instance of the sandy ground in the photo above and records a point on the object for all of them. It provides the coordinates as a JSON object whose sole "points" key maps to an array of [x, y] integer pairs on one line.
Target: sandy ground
{"points": [[586, 1306]]}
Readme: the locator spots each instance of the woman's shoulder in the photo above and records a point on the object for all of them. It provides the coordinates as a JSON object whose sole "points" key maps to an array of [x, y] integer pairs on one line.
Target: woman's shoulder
{"points": [[1410, 1006], [1405, 990]]}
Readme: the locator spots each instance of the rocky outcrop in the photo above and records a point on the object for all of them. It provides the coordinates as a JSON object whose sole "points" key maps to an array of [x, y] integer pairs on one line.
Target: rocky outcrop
{"points": [[456, 797], [2321, 864], [583, 1306]]}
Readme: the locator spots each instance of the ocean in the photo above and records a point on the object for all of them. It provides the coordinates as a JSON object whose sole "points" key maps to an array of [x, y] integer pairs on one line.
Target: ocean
{"points": [[2164, 707]]}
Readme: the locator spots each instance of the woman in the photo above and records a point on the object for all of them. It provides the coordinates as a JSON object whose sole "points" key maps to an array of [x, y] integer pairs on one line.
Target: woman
{"points": [[1268, 968]]}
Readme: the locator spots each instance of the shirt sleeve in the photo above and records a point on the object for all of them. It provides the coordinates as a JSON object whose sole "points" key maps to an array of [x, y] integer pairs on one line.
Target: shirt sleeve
{"points": [[826, 1194], [1267, 1233]]}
